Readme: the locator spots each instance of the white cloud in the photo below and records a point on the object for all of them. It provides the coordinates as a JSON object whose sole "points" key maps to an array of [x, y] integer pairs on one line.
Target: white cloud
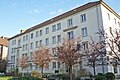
{"points": [[33, 11], [77, 5], [56, 12], [36, 10], [60, 11], [53, 12]]}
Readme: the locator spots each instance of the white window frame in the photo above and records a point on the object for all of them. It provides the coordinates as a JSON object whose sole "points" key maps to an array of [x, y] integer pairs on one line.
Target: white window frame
{"points": [[84, 32], [70, 35], [83, 18], [53, 28]]}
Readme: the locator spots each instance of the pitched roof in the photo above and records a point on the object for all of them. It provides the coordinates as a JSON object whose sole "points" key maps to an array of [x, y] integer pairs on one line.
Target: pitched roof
{"points": [[3, 42], [64, 15]]}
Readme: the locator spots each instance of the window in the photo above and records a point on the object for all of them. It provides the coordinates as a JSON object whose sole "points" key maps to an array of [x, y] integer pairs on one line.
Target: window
{"points": [[36, 67], [13, 59], [115, 20], [13, 66], [22, 55], [23, 47], [40, 32], [70, 23], [26, 37], [19, 41], [26, 46], [12, 50], [59, 38], [30, 66], [53, 28], [31, 45], [25, 54], [40, 42], [54, 51], [119, 24], [23, 38], [47, 30], [115, 69], [31, 35], [84, 32], [70, 35], [54, 65], [13, 42], [36, 44], [85, 45], [58, 64], [18, 53], [54, 39], [31, 54], [59, 26], [108, 16], [83, 17], [36, 33], [47, 41]]}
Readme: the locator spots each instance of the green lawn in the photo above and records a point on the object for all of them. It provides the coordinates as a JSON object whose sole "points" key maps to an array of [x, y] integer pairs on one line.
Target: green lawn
{"points": [[5, 78]]}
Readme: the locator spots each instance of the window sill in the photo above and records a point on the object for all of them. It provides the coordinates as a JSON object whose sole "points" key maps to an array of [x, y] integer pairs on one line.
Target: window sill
{"points": [[70, 28], [84, 35]]}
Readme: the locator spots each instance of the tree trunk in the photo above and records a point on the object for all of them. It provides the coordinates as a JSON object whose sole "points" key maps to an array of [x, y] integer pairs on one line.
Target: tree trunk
{"points": [[23, 72], [94, 68], [70, 73], [103, 67], [42, 72]]}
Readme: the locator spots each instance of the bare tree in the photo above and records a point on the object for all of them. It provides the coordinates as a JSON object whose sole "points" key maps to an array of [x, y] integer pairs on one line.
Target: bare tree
{"points": [[114, 42], [95, 54], [41, 58], [68, 53], [23, 62]]}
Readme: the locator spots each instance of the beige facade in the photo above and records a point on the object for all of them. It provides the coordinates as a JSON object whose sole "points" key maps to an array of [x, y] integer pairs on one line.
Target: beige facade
{"points": [[3, 47], [83, 21]]}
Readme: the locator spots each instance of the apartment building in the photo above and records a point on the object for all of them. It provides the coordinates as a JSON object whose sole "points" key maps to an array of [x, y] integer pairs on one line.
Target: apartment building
{"points": [[3, 47], [83, 21]]}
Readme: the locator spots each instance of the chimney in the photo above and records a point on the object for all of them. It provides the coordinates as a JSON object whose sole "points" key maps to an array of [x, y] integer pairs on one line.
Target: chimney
{"points": [[4, 37], [22, 31]]}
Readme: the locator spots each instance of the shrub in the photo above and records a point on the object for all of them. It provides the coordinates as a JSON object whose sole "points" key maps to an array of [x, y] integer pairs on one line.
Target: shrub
{"points": [[36, 74], [63, 76], [110, 76], [78, 78], [84, 73], [59, 76], [25, 78], [100, 76]]}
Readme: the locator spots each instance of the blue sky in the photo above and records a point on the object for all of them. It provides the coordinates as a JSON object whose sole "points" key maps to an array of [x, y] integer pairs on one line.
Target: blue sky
{"points": [[16, 15]]}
